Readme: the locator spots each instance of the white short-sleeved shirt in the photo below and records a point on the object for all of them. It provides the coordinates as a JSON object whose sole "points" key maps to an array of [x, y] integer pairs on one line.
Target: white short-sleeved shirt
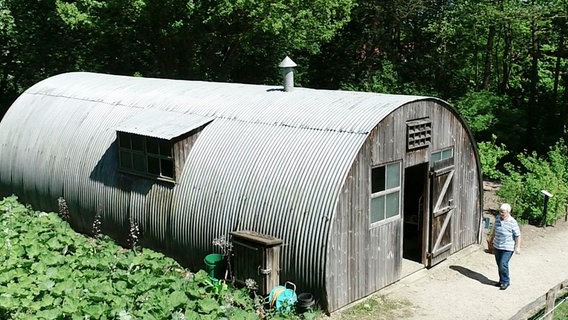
{"points": [[505, 233]]}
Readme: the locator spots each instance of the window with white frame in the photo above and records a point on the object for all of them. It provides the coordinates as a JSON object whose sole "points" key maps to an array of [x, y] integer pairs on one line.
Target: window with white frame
{"points": [[147, 156], [385, 192], [441, 155]]}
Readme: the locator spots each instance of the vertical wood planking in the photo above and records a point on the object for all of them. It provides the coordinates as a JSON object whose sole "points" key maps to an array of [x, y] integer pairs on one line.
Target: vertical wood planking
{"points": [[366, 260]]}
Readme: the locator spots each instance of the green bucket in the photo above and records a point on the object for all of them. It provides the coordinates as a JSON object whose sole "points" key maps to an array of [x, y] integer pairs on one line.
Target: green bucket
{"points": [[215, 265]]}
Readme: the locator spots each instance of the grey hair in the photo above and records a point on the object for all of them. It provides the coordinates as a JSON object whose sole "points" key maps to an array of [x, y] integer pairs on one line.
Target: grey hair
{"points": [[505, 207]]}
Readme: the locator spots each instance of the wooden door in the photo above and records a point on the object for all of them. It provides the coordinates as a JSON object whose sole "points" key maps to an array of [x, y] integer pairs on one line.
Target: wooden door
{"points": [[441, 211]]}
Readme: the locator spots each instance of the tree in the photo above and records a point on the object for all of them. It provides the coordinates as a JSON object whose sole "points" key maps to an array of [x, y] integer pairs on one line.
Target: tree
{"points": [[208, 40], [33, 45], [7, 37]]}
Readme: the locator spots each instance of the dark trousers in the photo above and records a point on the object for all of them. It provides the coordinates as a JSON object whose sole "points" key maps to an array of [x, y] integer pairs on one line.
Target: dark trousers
{"points": [[502, 258]]}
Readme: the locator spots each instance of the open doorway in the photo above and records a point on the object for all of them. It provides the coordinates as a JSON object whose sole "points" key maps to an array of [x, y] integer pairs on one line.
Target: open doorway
{"points": [[415, 179]]}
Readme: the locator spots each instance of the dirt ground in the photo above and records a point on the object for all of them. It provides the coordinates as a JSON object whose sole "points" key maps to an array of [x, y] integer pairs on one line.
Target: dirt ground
{"points": [[462, 286]]}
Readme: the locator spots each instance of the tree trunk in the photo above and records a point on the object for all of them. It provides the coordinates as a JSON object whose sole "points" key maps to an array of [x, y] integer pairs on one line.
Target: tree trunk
{"points": [[564, 108], [488, 58], [558, 106], [506, 60], [533, 108]]}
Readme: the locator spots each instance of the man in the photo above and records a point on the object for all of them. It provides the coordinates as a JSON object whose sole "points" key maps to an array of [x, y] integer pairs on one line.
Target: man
{"points": [[506, 239]]}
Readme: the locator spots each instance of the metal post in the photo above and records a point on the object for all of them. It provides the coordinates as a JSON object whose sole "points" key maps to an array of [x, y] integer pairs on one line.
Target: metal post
{"points": [[547, 195]]}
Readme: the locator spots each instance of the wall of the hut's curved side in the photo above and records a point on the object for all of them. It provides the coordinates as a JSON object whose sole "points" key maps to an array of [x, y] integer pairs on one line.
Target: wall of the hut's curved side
{"points": [[68, 150], [362, 260], [286, 186]]}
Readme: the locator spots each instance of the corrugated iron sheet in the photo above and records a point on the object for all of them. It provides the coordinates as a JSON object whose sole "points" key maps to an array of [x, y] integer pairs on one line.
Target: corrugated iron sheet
{"points": [[355, 112], [162, 124], [271, 161]]}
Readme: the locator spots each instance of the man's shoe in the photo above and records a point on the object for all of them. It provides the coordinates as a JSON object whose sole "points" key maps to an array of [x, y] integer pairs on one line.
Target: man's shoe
{"points": [[504, 286], [497, 284]]}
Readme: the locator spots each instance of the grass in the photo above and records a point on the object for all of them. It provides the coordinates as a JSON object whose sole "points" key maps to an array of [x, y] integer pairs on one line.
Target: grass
{"points": [[561, 312], [378, 307]]}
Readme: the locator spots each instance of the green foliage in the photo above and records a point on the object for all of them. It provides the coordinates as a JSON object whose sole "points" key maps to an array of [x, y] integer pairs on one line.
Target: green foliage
{"points": [[490, 114], [7, 26], [209, 40], [561, 311], [297, 25], [522, 186], [384, 80], [480, 109], [47, 271], [479, 54], [490, 155]]}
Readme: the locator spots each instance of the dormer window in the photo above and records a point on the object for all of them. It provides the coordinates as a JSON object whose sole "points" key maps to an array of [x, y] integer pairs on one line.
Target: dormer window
{"points": [[155, 143], [146, 156]]}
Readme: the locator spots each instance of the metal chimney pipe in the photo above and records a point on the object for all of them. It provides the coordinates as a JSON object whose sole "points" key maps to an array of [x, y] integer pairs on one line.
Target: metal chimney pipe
{"points": [[287, 66]]}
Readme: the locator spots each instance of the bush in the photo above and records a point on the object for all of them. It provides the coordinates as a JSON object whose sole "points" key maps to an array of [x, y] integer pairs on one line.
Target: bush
{"points": [[488, 113], [478, 109], [522, 186], [490, 155]]}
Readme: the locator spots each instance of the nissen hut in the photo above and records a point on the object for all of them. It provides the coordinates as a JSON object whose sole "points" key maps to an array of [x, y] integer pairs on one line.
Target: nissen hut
{"points": [[353, 186]]}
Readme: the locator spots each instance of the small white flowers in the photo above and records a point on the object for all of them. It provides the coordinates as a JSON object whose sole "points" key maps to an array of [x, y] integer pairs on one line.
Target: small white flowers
{"points": [[63, 208], [224, 244], [124, 315], [178, 315], [96, 227], [134, 234], [250, 284]]}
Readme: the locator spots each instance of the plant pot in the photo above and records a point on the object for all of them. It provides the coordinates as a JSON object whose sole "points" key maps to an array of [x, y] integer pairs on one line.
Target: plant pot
{"points": [[490, 248], [305, 302], [215, 265]]}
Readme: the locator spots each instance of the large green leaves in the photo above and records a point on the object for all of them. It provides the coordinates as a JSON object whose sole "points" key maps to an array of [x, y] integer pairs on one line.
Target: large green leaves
{"points": [[41, 278]]}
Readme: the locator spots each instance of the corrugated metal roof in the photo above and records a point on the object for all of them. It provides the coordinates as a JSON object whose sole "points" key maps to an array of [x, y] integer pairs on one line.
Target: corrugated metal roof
{"points": [[356, 112], [162, 124]]}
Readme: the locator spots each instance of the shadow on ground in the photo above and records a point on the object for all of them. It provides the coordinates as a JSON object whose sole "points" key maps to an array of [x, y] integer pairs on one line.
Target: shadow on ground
{"points": [[473, 275]]}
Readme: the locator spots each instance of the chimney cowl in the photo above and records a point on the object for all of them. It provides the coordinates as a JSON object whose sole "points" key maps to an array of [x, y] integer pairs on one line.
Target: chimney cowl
{"points": [[287, 66], [287, 63]]}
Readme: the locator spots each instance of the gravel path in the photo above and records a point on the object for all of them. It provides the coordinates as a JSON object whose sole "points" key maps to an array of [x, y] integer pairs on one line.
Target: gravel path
{"points": [[461, 287]]}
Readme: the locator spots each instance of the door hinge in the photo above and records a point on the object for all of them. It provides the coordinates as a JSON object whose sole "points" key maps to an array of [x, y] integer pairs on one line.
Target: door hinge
{"points": [[264, 271]]}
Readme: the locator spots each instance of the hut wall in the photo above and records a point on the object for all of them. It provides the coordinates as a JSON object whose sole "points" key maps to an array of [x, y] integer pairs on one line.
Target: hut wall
{"points": [[266, 179], [182, 148], [447, 131], [364, 259]]}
